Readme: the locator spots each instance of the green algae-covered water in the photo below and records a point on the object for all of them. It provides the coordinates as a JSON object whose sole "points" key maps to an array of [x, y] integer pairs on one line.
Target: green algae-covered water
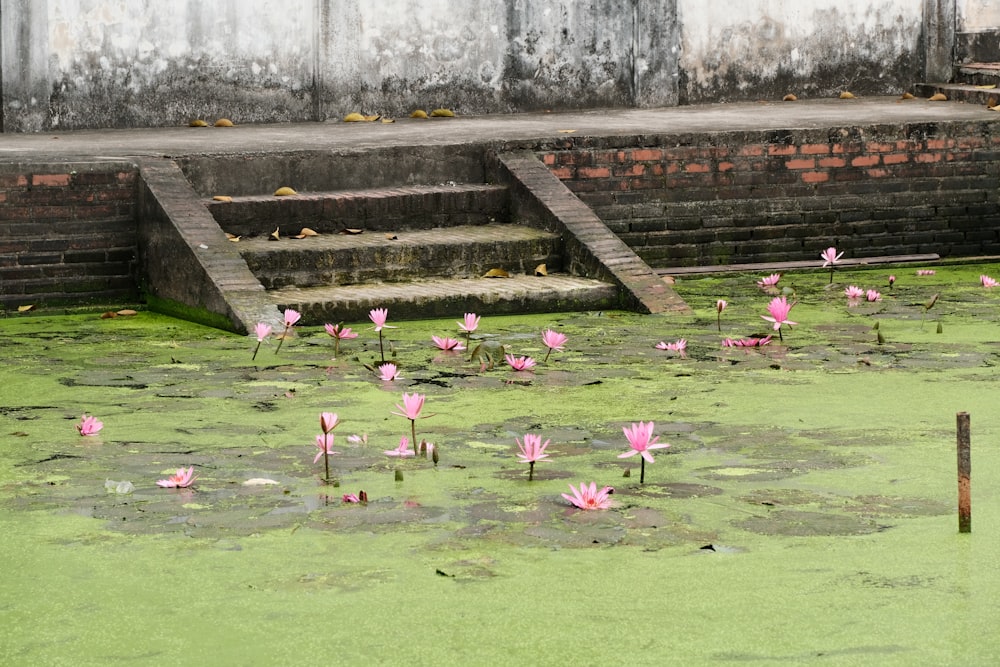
{"points": [[804, 513]]}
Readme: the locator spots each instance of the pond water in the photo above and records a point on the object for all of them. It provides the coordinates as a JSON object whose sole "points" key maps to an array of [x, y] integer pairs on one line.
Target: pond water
{"points": [[804, 512]]}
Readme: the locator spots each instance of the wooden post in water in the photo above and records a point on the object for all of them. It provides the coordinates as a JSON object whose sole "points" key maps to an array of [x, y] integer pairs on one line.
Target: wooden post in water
{"points": [[964, 473]]}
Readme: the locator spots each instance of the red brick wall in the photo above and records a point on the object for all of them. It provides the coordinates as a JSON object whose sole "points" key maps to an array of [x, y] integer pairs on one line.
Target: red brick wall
{"points": [[67, 233], [782, 195]]}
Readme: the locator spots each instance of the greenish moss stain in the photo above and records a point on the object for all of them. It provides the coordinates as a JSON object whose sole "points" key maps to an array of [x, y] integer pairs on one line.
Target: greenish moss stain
{"points": [[190, 313], [468, 563]]}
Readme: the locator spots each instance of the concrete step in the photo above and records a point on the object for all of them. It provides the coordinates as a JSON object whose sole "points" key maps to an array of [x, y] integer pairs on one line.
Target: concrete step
{"points": [[960, 92], [344, 259], [448, 297], [377, 209], [978, 73]]}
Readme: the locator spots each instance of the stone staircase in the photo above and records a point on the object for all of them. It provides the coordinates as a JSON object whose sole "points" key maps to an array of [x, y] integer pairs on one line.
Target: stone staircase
{"points": [[419, 250], [973, 83]]}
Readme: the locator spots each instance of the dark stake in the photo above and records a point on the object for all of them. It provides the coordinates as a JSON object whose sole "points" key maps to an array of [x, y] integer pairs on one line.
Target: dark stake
{"points": [[964, 474]]}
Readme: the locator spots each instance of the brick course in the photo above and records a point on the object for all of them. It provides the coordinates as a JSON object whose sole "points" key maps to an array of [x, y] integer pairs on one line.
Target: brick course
{"points": [[67, 233], [681, 202]]}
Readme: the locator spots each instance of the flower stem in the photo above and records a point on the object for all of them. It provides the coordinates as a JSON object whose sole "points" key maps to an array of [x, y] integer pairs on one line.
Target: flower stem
{"points": [[718, 321], [326, 461], [780, 337], [531, 470], [381, 349], [255, 351], [336, 347], [547, 355], [413, 432], [281, 340], [831, 274], [642, 470]]}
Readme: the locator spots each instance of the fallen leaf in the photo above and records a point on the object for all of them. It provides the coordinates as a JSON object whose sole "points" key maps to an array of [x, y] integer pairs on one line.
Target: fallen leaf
{"points": [[222, 198], [233, 237], [391, 237], [354, 118], [789, 98], [938, 97], [372, 118], [198, 123], [419, 113], [284, 191], [224, 122], [987, 86], [442, 113], [351, 230], [24, 309], [541, 270], [996, 108], [567, 131], [670, 280], [846, 96], [388, 120], [496, 273], [275, 235], [907, 96], [108, 315], [991, 102], [127, 312], [308, 232]]}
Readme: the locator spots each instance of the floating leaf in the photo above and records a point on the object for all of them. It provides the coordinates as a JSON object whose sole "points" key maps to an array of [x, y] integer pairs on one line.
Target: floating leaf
{"points": [[284, 191], [275, 235], [224, 122], [198, 122], [109, 315], [351, 230], [127, 312], [24, 309], [938, 97], [442, 113], [789, 98], [845, 95], [541, 270], [419, 113], [226, 198], [354, 118], [496, 273]]}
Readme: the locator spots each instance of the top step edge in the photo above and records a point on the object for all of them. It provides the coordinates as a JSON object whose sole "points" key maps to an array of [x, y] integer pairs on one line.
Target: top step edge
{"points": [[400, 190]]}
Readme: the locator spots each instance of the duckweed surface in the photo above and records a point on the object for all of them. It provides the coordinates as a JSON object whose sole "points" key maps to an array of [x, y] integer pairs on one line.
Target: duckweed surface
{"points": [[804, 513]]}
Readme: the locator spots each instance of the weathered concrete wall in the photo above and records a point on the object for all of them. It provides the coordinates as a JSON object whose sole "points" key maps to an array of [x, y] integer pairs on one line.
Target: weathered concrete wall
{"points": [[763, 49], [978, 28]]}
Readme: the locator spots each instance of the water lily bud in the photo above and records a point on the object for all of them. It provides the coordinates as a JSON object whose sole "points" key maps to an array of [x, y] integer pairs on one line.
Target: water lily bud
{"points": [[627, 473], [940, 328], [399, 475], [362, 496], [434, 456]]}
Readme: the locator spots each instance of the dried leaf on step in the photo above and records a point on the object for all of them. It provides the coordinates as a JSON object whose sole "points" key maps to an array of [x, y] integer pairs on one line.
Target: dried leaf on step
{"points": [[670, 280], [233, 237], [198, 122], [567, 131], [789, 98], [109, 315], [307, 232], [354, 118], [419, 113], [907, 96], [442, 113], [391, 237], [284, 191], [224, 122], [995, 108], [275, 235], [991, 101], [541, 270], [372, 118], [351, 230], [127, 312], [845, 95], [24, 309], [388, 120], [222, 198], [987, 86], [938, 97], [496, 273]]}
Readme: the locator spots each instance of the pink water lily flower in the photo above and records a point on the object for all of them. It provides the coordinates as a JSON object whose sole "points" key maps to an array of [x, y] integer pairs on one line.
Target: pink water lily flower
{"points": [[403, 450], [892, 281], [339, 333], [262, 330], [324, 442], [926, 272], [746, 342], [677, 346], [986, 281], [358, 439], [853, 292], [388, 372], [873, 295], [554, 341], [769, 281], [328, 421], [470, 324], [89, 425], [641, 440], [779, 309], [532, 449], [588, 497], [378, 316], [350, 498], [179, 480], [448, 344], [412, 405], [291, 317], [520, 363], [830, 256]]}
